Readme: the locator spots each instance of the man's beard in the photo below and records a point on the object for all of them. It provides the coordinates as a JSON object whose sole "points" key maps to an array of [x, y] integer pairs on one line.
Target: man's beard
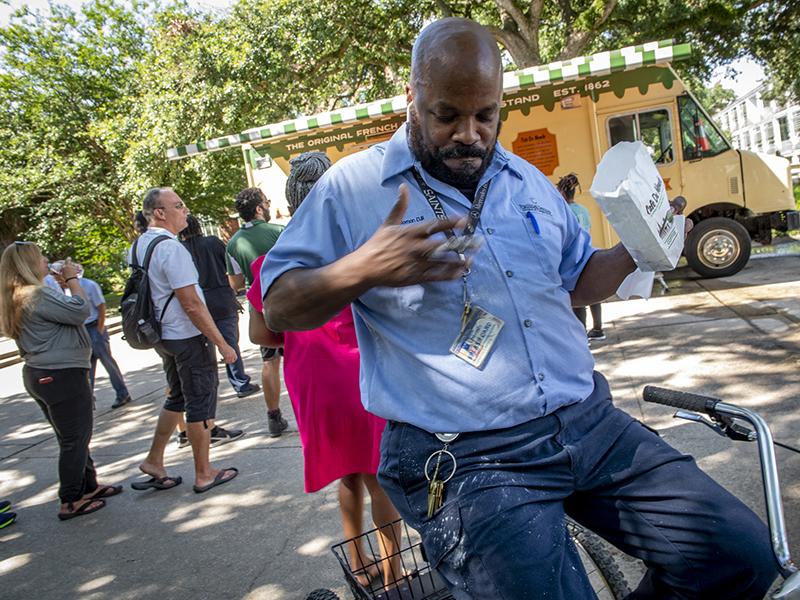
{"points": [[433, 160]]}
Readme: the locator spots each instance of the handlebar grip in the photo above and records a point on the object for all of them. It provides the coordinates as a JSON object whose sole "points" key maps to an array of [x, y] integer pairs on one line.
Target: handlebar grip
{"points": [[676, 399]]}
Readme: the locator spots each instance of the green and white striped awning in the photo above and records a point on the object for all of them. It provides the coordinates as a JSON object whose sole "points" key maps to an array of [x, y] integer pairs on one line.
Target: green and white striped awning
{"points": [[602, 63]]}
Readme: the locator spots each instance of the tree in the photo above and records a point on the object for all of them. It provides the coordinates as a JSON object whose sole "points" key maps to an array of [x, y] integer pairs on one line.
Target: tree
{"points": [[63, 79], [774, 39], [261, 63]]}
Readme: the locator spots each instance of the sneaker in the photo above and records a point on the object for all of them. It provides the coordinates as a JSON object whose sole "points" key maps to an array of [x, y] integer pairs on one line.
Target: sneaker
{"points": [[276, 424], [596, 334], [251, 389], [121, 402], [7, 518], [4, 505], [183, 439], [221, 436]]}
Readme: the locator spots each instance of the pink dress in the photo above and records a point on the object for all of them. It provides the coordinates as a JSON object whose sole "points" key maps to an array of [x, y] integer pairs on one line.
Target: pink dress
{"points": [[321, 370]]}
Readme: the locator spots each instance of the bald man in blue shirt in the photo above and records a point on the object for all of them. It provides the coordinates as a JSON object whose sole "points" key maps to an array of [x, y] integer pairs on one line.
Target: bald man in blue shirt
{"points": [[476, 359]]}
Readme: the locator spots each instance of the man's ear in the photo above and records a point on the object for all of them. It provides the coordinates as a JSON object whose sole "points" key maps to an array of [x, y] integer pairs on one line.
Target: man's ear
{"points": [[409, 94]]}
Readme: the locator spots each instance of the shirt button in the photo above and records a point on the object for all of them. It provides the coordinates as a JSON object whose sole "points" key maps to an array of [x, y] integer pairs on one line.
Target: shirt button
{"points": [[527, 322], [509, 273], [489, 230], [541, 376]]}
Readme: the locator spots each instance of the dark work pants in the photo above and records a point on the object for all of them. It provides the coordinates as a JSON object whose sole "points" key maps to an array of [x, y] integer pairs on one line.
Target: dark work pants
{"points": [[66, 402], [101, 350], [597, 315], [501, 534], [229, 328]]}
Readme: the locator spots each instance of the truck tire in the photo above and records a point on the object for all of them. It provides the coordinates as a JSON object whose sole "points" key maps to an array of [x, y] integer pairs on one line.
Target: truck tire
{"points": [[717, 247]]}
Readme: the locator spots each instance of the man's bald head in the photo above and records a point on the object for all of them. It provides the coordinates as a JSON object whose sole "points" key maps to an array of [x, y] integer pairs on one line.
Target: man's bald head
{"points": [[455, 45]]}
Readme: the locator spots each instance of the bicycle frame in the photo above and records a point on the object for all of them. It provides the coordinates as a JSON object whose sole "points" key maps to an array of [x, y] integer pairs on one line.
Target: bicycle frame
{"points": [[790, 589]]}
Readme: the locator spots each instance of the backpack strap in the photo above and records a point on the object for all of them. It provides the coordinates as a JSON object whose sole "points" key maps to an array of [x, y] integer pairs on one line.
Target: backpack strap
{"points": [[147, 256]]}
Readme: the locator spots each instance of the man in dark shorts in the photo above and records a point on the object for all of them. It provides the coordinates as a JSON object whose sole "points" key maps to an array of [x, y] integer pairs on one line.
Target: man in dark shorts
{"points": [[255, 238], [188, 337]]}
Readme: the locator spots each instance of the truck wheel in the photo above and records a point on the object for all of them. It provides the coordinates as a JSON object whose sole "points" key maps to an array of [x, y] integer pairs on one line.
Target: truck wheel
{"points": [[717, 247]]}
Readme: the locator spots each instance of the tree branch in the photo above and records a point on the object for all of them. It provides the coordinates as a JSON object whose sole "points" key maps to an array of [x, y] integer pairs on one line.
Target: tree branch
{"points": [[577, 41], [444, 8]]}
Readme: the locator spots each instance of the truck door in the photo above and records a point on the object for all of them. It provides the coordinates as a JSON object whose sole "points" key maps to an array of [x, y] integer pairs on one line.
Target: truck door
{"points": [[654, 126], [711, 169]]}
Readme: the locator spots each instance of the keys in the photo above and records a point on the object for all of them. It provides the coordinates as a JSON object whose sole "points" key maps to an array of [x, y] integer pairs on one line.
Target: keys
{"points": [[435, 496], [435, 481]]}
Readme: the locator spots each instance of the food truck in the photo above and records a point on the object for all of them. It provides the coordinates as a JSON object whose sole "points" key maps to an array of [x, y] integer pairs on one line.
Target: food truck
{"points": [[562, 117]]}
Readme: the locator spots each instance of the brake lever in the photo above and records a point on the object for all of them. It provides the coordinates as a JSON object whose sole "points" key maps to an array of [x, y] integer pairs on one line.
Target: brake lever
{"points": [[695, 418], [725, 426]]}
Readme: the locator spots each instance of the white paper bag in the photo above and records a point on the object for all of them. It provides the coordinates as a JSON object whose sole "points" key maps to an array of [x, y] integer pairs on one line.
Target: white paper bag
{"points": [[632, 195], [637, 284]]}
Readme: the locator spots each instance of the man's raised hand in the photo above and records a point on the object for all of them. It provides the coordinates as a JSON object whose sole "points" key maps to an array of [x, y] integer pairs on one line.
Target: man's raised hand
{"points": [[398, 255]]}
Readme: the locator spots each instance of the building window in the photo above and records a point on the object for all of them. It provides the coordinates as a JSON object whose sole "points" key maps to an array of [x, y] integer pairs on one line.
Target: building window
{"points": [[757, 139], [770, 136], [783, 126]]}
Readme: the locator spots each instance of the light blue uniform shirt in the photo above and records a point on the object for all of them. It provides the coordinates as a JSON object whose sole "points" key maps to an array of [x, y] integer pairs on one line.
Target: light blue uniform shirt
{"points": [[541, 359], [94, 295]]}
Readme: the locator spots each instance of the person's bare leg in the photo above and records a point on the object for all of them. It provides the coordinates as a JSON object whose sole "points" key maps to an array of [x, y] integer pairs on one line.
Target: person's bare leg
{"points": [[271, 382], [351, 505], [153, 464], [181, 424], [389, 536], [200, 439]]}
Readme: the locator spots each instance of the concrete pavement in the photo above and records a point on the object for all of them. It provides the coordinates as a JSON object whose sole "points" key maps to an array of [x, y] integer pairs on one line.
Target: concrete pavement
{"points": [[261, 537]]}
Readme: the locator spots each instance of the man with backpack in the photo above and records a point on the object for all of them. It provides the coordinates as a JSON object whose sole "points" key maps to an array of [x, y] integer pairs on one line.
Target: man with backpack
{"points": [[184, 335]]}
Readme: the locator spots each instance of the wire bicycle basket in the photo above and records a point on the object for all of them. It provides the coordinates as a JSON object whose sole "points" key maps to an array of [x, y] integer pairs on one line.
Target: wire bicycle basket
{"points": [[402, 574]]}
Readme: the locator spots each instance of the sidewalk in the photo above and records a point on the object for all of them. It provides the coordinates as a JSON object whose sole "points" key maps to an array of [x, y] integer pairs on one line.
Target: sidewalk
{"points": [[261, 537]]}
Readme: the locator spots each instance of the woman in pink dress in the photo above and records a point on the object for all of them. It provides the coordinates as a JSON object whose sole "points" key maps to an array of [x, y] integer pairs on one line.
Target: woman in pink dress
{"points": [[340, 439]]}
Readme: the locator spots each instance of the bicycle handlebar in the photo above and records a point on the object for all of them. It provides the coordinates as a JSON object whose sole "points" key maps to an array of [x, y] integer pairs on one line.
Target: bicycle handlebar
{"points": [[684, 400], [722, 411]]}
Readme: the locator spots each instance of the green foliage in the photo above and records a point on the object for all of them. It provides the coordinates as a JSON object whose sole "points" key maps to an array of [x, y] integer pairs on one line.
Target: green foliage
{"points": [[774, 38]]}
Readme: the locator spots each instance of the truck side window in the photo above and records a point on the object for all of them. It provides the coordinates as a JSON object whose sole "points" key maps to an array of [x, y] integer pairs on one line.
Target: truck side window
{"points": [[700, 138], [651, 127]]}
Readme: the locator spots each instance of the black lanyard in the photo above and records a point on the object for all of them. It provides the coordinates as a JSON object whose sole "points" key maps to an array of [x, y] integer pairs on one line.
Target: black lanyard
{"points": [[472, 222], [438, 208]]}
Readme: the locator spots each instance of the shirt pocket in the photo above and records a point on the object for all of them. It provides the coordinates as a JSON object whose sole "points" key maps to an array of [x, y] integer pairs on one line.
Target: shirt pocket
{"points": [[544, 239]]}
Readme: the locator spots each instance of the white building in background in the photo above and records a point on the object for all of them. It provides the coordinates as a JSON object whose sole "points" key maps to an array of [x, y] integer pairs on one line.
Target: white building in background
{"points": [[763, 125]]}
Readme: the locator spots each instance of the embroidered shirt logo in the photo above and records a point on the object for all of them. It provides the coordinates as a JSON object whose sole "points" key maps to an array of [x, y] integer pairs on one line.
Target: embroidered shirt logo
{"points": [[417, 219], [532, 206]]}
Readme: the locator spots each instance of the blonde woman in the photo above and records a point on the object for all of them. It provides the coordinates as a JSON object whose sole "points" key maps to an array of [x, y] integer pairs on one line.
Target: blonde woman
{"points": [[48, 328]]}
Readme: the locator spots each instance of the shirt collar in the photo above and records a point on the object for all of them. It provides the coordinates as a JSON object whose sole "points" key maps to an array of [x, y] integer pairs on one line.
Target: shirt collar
{"points": [[161, 231], [398, 158], [248, 224]]}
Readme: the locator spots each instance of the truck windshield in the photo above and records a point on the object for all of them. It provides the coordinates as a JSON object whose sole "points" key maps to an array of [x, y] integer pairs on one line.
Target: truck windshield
{"points": [[651, 127], [699, 136]]}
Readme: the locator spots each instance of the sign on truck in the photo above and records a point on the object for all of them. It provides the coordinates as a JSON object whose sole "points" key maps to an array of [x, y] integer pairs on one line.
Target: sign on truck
{"points": [[562, 117]]}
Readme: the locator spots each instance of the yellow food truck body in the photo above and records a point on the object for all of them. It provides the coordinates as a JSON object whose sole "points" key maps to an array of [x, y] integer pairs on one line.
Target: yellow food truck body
{"points": [[562, 118]]}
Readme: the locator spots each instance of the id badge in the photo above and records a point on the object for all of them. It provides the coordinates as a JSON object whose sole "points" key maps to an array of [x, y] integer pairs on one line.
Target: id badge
{"points": [[475, 342]]}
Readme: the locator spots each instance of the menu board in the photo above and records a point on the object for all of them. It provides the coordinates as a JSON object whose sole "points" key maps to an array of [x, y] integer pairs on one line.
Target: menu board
{"points": [[539, 148]]}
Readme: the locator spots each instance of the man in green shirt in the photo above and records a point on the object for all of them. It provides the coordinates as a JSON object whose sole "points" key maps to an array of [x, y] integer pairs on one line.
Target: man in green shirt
{"points": [[254, 239]]}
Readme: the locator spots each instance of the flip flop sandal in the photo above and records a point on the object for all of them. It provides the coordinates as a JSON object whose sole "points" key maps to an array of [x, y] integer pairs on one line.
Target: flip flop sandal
{"points": [[218, 480], [106, 491], [83, 509], [5, 505], [157, 483]]}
